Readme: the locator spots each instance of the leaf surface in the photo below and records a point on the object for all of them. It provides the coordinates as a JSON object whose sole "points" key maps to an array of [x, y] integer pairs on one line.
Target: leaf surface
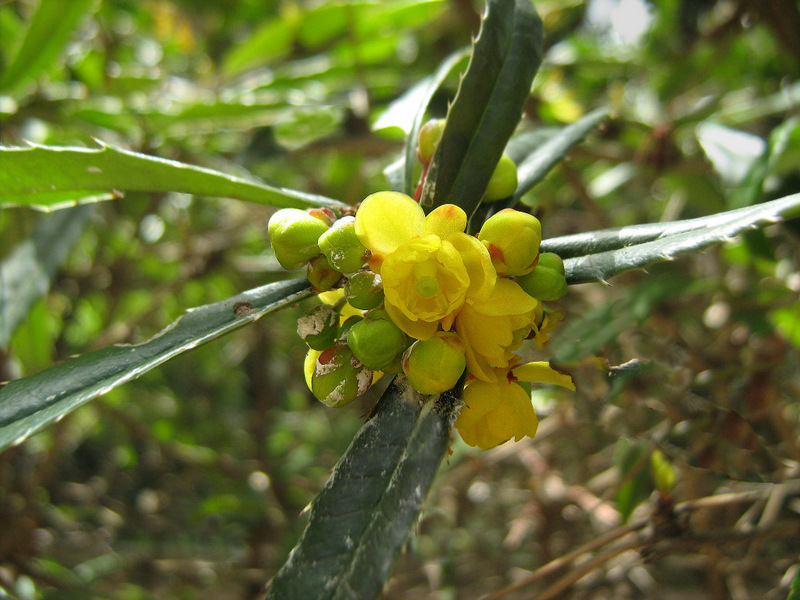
{"points": [[26, 273], [35, 171], [598, 255], [361, 518], [29, 404], [487, 107]]}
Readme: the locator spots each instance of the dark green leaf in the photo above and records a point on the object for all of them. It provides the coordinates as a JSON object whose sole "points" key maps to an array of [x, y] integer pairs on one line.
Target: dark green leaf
{"points": [[26, 273], [408, 113], [49, 31], [29, 404], [596, 256], [42, 169], [535, 166], [360, 520], [488, 105], [794, 590]]}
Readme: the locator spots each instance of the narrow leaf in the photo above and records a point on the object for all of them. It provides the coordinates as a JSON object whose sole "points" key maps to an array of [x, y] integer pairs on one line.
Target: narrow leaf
{"points": [[535, 166], [672, 240], [488, 105], [50, 29], [29, 404], [42, 169], [26, 273], [360, 520], [408, 113]]}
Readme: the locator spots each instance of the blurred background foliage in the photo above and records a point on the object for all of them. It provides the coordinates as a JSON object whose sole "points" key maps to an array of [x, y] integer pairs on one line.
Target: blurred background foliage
{"points": [[190, 482]]}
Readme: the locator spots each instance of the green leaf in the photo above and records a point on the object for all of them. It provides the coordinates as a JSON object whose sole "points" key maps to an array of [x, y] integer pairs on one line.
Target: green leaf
{"points": [[488, 105], [39, 170], [29, 404], [361, 518], [49, 31], [26, 273], [408, 113], [532, 169], [794, 589], [598, 255]]}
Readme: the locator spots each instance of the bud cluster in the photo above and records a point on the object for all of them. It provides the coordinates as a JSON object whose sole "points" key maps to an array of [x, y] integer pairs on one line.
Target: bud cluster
{"points": [[413, 293]]}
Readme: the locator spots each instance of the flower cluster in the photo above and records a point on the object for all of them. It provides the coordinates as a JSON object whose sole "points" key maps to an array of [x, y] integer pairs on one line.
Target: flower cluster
{"points": [[408, 292]]}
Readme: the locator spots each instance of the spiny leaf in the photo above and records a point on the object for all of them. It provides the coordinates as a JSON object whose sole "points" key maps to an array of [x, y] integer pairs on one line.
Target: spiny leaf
{"points": [[26, 273], [29, 404], [360, 520], [488, 105], [598, 255], [28, 174]]}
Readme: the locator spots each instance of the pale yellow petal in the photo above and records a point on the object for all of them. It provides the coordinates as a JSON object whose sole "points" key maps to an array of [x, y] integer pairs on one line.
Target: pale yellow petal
{"points": [[445, 220], [542, 372], [421, 330], [482, 276], [507, 298], [387, 219]]}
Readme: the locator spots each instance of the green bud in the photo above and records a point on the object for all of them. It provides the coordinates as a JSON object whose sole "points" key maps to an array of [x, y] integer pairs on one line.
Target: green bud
{"points": [[435, 365], [364, 290], [546, 282], [663, 472], [503, 182], [338, 377], [319, 328], [342, 248], [345, 327], [429, 137], [512, 238], [293, 234], [321, 274], [376, 342]]}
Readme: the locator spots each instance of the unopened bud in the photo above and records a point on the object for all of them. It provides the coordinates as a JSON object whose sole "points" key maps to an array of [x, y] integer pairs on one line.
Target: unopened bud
{"points": [[503, 182], [512, 238], [321, 274], [435, 365], [339, 378], [293, 234], [376, 341], [546, 282], [364, 290], [429, 137], [318, 329], [342, 248]]}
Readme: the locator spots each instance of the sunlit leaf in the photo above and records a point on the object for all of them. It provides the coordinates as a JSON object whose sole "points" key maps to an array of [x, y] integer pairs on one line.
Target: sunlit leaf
{"points": [[42, 169], [361, 518], [29, 404], [26, 273], [50, 29]]}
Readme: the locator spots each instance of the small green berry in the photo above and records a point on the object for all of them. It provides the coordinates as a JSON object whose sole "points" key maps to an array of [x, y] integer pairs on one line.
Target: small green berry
{"points": [[364, 290], [435, 365], [342, 248], [293, 234], [321, 274], [376, 342], [546, 282], [429, 137], [338, 377]]}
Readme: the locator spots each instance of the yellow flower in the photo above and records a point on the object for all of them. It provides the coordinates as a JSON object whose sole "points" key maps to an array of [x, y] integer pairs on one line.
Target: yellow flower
{"points": [[428, 265], [494, 413], [494, 326]]}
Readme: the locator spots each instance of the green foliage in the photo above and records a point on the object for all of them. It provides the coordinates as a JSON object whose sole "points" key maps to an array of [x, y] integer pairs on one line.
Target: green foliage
{"points": [[189, 480]]}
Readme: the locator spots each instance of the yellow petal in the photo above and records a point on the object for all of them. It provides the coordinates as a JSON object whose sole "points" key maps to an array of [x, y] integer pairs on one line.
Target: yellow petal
{"points": [[482, 276], [445, 220], [542, 372], [310, 364], [507, 298], [331, 297], [421, 330], [387, 219]]}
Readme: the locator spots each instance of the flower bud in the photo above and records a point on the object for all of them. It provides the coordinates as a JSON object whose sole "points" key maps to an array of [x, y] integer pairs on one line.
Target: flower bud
{"points": [[318, 328], [512, 238], [321, 274], [435, 365], [364, 290], [293, 234], [376, 340], [503, 182], [429, 137], [338, 377], [342, 248], [546, 281]]}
